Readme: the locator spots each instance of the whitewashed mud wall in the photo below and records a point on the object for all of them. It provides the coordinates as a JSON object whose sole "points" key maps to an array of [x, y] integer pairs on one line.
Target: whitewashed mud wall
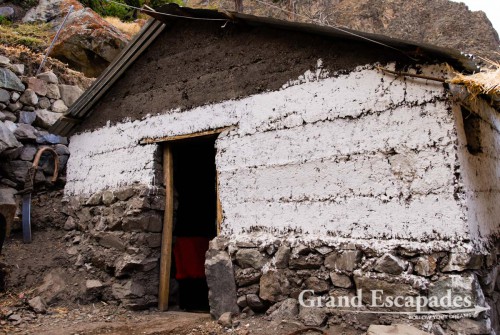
{"points": [[360, 155], [480, 172]]}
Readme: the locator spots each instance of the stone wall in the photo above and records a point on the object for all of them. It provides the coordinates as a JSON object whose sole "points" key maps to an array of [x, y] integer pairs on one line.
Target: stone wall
{"points": [[270, 274], [117, 237], [28, 107]]}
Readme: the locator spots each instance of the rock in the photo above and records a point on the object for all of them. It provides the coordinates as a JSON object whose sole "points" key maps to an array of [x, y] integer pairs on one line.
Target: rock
{"points": [[108, 198], [44, 103], [250, 258], [88, 43], [274, 286], [49, 77], [391, 264], [124, 193], [15, 318], [10, 126], [255, 303], [151, 221], [4, 96], [10, 81], [128, 263], [38, 305], [310, 261], [94, 200], [317, 285], [7, 139], [463, 261], [282, 257], [27, 117], [468, 326], [221, 283], [45, 119], [17, 68], [9, 116], [426, 266], [7, 12], [340, 280], [248, 276], [25, 132], [131, 289], [312, 316], [29, 97], [226, 320], [53, 91], [4, 61], [38, 86], [61, 149], [45, 137], [288, 310], [70, 223], [111, 240], [466, 285], [59, 107], [52, 286], [69, 94], [13, 107], [368, 282], [242, 301], [93, 284], [395, 329], [346, 261]]}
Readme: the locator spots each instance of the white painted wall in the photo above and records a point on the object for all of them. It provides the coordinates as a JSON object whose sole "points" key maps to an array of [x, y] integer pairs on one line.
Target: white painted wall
{"points": [[361, 155], [480, 173]]}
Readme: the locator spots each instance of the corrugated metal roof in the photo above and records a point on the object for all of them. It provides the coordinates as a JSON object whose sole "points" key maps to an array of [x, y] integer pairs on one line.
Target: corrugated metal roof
{"points": [[82, 108]]}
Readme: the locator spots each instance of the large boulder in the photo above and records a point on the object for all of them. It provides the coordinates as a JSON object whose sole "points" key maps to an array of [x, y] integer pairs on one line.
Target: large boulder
{"points": [[87, 43], [221, 283]]}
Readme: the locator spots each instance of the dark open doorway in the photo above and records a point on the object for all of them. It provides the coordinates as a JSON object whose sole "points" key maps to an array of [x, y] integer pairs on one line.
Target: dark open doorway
{"points": [[191, 218]]}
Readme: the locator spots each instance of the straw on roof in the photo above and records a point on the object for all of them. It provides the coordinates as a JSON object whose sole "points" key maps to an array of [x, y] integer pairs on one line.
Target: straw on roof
{"points": [[486, 82]]}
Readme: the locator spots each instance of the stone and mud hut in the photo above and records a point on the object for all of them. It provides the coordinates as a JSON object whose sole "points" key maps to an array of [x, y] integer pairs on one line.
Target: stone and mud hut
{"points": [[281, 158]]}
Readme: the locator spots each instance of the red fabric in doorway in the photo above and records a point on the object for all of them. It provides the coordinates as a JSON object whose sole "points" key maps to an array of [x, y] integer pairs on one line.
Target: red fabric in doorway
{"points": [[189, 253]]}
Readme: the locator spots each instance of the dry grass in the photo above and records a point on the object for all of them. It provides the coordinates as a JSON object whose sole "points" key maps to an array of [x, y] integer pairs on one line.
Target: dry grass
{"points": [[31, 60], [128, 28], [485, 82], [36, 37]]}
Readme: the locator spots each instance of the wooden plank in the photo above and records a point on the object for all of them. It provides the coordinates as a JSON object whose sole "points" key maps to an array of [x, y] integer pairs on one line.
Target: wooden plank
{"points": [[219, 204], [183, 136], [166, 243]]}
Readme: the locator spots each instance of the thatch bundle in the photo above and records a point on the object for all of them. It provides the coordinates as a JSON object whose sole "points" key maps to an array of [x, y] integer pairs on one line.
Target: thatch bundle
{"points": [[486, 82]]}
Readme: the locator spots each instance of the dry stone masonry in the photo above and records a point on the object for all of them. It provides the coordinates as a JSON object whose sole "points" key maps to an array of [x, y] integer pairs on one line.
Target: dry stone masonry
{"points": [[28, 107]]}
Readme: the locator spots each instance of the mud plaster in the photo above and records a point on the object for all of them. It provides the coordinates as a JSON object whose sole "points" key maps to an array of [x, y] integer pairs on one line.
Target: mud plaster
{"points": [[386, 145]]}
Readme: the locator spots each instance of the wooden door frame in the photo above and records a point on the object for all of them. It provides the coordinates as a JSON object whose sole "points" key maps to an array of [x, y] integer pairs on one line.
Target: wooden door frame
{"points": [[168, 218]]}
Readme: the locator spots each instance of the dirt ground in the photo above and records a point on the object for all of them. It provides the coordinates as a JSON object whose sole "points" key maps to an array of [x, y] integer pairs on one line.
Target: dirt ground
{"points": [[28, 265]]}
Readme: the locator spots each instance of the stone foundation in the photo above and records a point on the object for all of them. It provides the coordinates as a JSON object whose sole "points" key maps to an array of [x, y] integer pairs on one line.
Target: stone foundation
{"points": [[116, 236], [270, 276]]}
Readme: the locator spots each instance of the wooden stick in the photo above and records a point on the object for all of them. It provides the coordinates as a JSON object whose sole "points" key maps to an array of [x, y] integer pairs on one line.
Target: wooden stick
{"points": [[407, 74], [166, 243], [184, 136]]}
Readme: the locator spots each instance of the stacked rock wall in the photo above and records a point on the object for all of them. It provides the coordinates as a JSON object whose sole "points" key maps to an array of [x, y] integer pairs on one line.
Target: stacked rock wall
{"points": [[118, 235], [270, 274], [28, 107]]}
